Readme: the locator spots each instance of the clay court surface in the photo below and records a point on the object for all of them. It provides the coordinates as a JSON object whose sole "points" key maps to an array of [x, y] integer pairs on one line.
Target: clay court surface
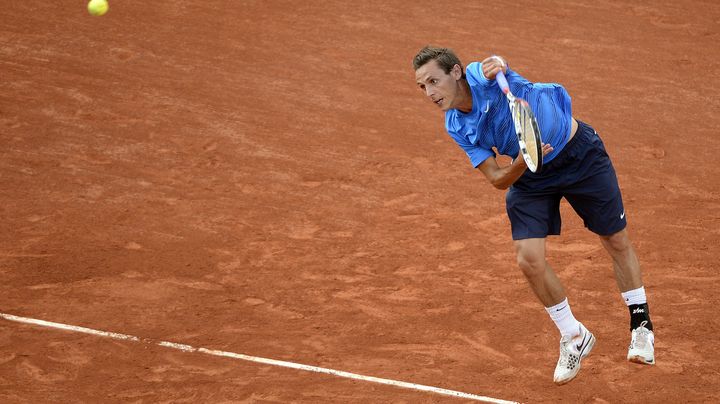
{"points": [[264, 178]]}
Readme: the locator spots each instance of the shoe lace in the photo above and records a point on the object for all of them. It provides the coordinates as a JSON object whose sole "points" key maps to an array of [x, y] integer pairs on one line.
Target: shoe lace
{"points": [[642, 336]]}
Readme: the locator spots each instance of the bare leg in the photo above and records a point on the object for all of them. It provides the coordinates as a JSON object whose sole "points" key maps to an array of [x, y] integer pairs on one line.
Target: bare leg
{"points": [[541, 277], [625, 261]]}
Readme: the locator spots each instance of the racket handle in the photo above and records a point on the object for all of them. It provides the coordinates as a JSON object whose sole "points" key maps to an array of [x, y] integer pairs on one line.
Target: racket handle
{"points": [[502, 82]]}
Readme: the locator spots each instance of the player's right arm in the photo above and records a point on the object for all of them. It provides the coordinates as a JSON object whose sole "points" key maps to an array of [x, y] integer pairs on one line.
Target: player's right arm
{"points": [[492, 65]]}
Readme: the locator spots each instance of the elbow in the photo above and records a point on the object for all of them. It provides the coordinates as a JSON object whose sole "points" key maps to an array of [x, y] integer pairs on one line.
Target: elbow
{"points": [[499, 184]]}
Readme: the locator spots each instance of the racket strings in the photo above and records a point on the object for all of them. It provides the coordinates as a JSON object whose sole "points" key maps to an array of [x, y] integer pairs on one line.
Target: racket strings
{"points": [[525, 122], [528, 134]]}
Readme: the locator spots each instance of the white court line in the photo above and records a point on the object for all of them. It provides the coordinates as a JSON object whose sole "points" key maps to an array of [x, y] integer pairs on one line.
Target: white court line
{"points": [[273, 362]]}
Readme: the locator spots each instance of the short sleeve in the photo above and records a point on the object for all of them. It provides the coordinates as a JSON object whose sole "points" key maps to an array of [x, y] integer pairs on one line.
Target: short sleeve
{"points": [[475, 75], [476, 154]]}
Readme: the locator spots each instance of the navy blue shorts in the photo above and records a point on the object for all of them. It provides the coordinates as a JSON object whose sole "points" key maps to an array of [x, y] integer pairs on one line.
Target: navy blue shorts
{"points": [[582, 174]]}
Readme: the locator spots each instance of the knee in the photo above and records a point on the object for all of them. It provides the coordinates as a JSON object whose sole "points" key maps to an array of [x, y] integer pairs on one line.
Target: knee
{"points": [[531, 263], [617, 242]]}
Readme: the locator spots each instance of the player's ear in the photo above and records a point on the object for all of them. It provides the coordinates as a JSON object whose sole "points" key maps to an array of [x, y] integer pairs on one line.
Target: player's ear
{"points": [[456, 72]]}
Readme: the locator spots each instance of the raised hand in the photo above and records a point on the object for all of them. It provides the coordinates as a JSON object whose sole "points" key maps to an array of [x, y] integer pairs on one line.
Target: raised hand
{"points": [[492, 65]]}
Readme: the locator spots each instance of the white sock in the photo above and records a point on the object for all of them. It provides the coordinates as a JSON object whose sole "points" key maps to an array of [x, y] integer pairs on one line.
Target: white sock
{"points": [[564, 319], [635, 296]]}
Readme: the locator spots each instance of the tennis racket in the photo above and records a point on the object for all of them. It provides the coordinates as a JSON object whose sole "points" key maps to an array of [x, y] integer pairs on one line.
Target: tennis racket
{"points": [[526, 127]]}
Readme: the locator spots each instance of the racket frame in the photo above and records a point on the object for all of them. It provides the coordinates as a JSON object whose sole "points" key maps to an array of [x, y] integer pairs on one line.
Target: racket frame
{"points": [[515, 105]]}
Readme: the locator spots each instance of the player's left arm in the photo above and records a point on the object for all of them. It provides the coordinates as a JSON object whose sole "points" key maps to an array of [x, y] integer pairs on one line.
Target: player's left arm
{"points": [[504, 177]]}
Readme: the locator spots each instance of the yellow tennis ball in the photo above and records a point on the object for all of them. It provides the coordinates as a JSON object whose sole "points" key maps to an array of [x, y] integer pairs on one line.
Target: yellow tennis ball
{"points": [[98, 7]]}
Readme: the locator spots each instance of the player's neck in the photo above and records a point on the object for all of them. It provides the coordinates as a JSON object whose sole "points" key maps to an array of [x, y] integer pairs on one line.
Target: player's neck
{"points": [[465, 103]]}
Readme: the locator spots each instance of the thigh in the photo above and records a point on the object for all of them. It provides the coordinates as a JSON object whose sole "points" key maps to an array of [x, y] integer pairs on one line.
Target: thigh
{"points": [[595, 194], [533, 214]]}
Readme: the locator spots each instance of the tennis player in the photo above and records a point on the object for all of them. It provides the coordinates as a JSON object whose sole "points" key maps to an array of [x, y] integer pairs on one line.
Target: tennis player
{"points": [[575, 167]]}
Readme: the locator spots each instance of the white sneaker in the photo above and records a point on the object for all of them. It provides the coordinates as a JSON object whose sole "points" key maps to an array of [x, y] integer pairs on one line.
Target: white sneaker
{"points": [[642, 346], [572, 351]]}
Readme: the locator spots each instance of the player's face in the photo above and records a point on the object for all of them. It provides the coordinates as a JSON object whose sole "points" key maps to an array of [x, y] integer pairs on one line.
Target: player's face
{"points": [[442, 88]]}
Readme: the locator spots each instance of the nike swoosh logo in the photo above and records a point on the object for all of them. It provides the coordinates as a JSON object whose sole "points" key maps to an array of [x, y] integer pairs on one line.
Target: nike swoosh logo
{"points": [[622, 215], [487, 107], [580, 345]]}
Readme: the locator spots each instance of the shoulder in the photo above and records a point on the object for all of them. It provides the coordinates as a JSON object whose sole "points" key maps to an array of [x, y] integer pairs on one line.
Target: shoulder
{"points": [[454, 124], [452, 121]]}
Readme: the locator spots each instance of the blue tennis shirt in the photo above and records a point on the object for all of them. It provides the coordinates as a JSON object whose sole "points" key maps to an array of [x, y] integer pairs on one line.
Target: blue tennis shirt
{"points": [[490, 124]]}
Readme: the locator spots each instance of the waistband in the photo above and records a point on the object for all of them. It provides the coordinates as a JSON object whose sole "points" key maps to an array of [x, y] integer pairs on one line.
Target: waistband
{"points": [[582, 135], [583, 130]]}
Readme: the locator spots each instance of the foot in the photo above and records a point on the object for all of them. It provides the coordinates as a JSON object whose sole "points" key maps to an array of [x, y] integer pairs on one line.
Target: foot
{"points": [[642, 346], [572, 351]]}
